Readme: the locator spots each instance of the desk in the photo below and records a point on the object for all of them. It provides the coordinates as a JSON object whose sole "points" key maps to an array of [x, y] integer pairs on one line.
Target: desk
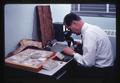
{"points": [[59, 72]]}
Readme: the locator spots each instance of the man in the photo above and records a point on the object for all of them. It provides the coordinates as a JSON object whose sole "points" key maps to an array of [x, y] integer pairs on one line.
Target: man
{"points": [[96, 48]]}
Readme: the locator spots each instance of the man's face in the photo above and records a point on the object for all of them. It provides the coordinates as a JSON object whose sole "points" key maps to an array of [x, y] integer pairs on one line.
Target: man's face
{"points": [[74, 27]]}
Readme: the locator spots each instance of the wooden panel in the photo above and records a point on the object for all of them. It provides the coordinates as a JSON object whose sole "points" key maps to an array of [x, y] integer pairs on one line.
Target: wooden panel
{"points": [[45, 24]]}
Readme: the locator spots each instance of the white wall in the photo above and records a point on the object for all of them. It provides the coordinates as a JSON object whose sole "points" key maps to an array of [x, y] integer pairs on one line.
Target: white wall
{"points": [[103, 22], [59, 11], [20, 22]]}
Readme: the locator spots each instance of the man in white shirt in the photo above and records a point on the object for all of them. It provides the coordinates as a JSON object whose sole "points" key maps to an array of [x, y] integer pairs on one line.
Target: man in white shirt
{"points": [[96, 48]]}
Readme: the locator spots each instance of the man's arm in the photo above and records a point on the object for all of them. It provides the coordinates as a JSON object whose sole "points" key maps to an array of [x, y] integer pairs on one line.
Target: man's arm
{"points": [[89, 51]]}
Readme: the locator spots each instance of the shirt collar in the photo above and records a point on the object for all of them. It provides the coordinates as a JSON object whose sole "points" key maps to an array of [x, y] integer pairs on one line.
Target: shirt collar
{"points": [[84, 28]]}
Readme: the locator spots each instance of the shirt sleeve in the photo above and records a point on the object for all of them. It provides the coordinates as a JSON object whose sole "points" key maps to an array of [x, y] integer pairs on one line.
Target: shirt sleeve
{"points": [[89, 51]]}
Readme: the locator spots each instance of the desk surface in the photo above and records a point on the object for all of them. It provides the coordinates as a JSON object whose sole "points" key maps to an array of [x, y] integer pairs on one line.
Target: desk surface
{"points": [[53, 71], [56, 48]]}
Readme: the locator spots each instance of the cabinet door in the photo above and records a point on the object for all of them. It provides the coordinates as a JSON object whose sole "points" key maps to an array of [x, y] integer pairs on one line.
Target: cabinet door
{"points": [[45, 25]]}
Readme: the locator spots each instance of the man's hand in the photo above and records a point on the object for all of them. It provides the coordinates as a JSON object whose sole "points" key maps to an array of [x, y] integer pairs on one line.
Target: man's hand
{"points": [[77, 42], [68, 51]]}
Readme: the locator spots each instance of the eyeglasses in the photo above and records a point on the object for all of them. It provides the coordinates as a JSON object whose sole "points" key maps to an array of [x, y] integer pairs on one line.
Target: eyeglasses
{"points": [[68, 27]]}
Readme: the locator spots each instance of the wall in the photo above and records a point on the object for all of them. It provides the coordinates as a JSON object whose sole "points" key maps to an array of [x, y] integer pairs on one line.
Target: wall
{"points": [[20, 22]]}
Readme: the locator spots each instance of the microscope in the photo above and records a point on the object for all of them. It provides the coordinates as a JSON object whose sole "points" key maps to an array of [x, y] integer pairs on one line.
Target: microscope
{"points": [[69, 40]]}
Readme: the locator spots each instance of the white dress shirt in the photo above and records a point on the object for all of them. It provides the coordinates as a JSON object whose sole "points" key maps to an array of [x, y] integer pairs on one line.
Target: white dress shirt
{"points": [[96, 48]]}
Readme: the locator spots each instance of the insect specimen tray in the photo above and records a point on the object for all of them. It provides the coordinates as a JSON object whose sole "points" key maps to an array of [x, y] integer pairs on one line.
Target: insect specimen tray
{"points": [[29, 59]]}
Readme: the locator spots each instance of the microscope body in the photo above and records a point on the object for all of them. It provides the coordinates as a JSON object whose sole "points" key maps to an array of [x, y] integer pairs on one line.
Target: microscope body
{"points": [[69, 40]]}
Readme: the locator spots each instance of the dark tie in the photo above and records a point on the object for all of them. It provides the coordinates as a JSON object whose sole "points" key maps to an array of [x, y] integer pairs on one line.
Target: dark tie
{"points": [[81, 45], [82, 40], [78, 49]]}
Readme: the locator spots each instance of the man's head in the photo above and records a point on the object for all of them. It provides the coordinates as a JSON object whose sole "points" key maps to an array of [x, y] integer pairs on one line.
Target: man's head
{"points": [[73, 23]]}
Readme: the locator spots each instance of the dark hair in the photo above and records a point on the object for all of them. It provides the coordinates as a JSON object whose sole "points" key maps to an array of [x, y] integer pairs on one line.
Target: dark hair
{"points": [[70, 17]]}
